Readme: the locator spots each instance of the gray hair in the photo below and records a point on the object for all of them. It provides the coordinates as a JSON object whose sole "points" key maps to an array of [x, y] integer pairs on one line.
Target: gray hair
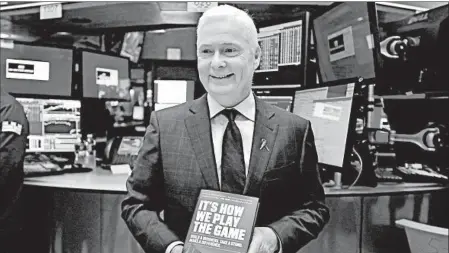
{"points": [[228, 12]]}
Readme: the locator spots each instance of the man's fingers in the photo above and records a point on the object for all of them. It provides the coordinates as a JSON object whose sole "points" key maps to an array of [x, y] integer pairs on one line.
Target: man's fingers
{"points": [[254, 246], [255, 242]]}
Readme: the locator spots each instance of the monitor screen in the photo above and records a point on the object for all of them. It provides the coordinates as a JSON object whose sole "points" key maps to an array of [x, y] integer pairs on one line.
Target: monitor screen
{"points": [[345, 42], [329, 111], [32, 70], [283, 102], [130, 145], [54, 124], [105, 76]]}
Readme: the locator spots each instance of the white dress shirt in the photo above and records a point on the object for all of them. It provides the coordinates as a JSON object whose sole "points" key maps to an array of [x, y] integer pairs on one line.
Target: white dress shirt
{"points": [[244, 121]]}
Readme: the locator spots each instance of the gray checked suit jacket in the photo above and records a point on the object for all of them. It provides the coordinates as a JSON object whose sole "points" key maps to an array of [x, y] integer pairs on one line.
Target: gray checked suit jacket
{"points": [[177, 160]]}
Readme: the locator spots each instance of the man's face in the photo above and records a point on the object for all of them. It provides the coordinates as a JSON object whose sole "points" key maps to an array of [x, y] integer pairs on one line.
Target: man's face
{"points": [[226, 61]]}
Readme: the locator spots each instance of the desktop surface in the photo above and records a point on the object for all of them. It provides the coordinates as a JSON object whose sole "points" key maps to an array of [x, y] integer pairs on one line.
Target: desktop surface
{"points": [[30, 69], [104, 181], [96, 180]]}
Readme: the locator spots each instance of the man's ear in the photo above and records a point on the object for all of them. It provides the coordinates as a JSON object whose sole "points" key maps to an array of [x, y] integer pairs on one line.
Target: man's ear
{"points": [[257, 55]]}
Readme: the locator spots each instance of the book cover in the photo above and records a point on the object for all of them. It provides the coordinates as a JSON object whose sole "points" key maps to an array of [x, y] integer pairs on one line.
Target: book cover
{"points": [[222, 222]]}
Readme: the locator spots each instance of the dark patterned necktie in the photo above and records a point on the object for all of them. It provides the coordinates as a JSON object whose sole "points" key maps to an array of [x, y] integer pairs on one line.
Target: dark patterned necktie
{"points": [[232, 161]]}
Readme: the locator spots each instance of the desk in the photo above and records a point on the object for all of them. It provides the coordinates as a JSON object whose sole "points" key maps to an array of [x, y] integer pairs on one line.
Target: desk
{"points": [[83, 210], [98, 180], [363, 218]]}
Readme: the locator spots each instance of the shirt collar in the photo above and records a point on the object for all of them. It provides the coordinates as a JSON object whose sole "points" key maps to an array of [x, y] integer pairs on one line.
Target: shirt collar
{"points": [[247, 107]]}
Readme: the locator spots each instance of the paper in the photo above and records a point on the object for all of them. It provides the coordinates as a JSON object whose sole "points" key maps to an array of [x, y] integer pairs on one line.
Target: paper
{"points": [[29, 70], [158, 107], [171, 91], [341, 44], [174, 54], [120, 169], [50, 11]]}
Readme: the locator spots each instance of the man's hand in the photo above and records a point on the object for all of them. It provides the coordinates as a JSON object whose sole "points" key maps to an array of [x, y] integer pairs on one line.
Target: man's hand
{"points": [[264, 241], [177, 249]]}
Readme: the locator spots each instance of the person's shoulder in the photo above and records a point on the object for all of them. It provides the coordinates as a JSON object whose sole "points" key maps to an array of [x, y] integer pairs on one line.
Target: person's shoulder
{"points": [[9, 102]]}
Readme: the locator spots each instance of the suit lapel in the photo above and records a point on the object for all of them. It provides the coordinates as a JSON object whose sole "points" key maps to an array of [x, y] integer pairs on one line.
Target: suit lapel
{"points": [[265, 131], [198, 127]]}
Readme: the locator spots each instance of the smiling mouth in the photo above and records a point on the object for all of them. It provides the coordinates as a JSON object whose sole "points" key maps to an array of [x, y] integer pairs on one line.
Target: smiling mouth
{"points": [[222, 77]]}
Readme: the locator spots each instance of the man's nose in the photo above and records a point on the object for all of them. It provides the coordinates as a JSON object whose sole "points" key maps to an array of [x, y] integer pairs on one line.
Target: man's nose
{"points": [[218, 60]]}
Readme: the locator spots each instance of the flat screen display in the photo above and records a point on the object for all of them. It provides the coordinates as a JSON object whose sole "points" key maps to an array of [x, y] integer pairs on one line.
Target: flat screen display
{"points": [[130, 145], [329, 111], [36, 70], [344, 42], [105, 76]]}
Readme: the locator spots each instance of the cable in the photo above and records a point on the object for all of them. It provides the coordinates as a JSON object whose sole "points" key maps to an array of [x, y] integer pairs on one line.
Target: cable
{"points": [[361, 167], [360, 171]]}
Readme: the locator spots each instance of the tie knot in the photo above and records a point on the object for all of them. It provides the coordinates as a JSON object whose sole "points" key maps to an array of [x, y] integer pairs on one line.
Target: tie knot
{"points": [[230, 113]]}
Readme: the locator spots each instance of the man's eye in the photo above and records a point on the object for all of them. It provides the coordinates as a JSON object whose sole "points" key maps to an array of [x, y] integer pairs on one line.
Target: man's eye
{"points": [[206, 51], [231, 51]]}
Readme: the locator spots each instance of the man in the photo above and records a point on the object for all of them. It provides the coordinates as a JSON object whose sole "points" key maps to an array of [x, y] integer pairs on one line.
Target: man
{"points": [[257, 150], [14, 129]]}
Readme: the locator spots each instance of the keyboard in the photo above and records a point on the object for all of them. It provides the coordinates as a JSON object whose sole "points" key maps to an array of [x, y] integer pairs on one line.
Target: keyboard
{"points": [[387, 175], [36, 165], [421, 174]]}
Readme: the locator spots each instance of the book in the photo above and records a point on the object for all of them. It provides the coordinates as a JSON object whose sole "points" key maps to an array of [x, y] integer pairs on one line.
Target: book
{"points": [[221, 223]]}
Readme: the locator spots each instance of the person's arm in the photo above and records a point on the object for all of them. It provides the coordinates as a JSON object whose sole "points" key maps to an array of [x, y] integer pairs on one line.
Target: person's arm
{"points": [[12, 150], [145, 197], [298, 228], [13, 139]]}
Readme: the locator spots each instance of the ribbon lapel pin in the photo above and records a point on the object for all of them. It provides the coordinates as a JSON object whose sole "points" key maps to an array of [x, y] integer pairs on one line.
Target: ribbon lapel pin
{"points": [[264, 145]]}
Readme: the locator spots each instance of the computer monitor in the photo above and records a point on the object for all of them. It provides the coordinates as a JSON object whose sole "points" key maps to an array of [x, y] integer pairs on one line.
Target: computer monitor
{"points": [[130, 145], [285, 52], [331, 111], [283, 102], [105, 76], [346, 39], [36, 70], [415, 53], [54, 124]]}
